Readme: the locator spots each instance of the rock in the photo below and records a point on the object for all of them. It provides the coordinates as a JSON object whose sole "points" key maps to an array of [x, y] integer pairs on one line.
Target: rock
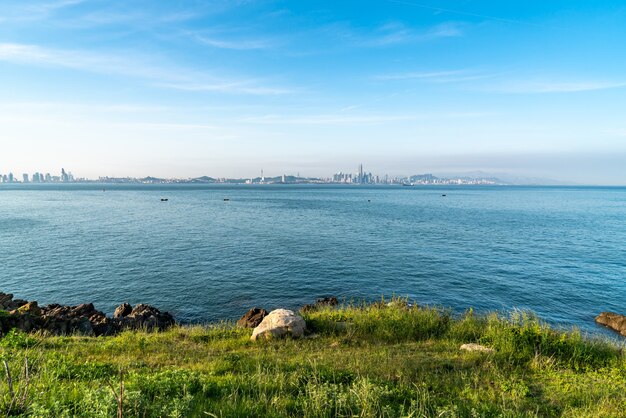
{"points": [[82, 319], [5, 298], [614, 321], [252, 318], [82, 326], [328, 301], [146, 317], [279, 323], [477, 347], [31, 308], [123, 310], [7, 303]]}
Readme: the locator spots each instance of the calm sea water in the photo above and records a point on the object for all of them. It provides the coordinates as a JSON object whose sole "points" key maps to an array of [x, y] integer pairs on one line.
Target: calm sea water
{"points": [[560, 252]]}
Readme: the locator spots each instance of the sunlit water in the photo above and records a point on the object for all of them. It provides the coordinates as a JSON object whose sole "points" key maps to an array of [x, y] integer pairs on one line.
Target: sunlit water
{"points": [[560, 252]]}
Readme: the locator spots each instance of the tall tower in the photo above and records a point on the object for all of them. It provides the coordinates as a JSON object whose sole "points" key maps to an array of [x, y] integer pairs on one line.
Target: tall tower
{"points": [[361, 173], [262, 177]]}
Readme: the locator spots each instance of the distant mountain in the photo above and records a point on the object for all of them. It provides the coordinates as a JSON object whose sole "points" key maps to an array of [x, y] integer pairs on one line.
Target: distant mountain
{"points": [[203, 179], [506, 178]]}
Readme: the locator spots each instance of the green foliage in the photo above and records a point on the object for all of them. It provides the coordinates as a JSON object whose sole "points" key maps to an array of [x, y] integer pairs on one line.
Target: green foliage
{"points": [[386, 359], [17, 339], [523, 337], [391, 322]]}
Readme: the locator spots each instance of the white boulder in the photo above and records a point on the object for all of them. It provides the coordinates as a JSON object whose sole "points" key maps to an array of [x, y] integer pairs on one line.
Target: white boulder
{"points": [[278, 323]]}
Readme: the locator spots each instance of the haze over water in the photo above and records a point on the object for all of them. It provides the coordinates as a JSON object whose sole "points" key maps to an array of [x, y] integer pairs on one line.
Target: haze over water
{"points": [[560, 252]]}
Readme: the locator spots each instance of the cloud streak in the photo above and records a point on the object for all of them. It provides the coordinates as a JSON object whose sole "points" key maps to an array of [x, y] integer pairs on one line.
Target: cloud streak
{"points": [[237, 44], [537, 87], [154, 73], [396, 33], [362, 119], [454, 76]]}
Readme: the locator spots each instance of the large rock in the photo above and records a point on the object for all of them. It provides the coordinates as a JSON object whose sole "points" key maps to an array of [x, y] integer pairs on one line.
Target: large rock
{"points": [[279, 323], [252, 318], [146, 317], [122, 311], [7, 303], [80, 319], [614, 321], [31, 308]]}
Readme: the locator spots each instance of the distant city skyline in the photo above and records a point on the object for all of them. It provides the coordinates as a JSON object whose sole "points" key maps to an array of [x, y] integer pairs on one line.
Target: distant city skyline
{"points": [[185, 89], [359, 176]]}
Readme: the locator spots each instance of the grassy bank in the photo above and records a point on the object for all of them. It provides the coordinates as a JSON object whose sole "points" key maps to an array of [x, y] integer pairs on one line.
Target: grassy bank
{"points": [[374, 360]]}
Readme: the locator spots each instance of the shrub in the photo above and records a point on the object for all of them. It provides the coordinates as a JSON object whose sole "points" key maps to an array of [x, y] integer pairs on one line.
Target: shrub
{"points": [[17, 339]]}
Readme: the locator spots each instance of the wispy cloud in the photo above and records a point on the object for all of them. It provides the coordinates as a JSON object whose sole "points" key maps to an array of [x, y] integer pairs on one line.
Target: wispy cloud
{"points": [[349, 119], [246, 87], [399, 33], [538, 87], [32, 11], [152, 72], [463, 13], [236, 44], [454, 76]]}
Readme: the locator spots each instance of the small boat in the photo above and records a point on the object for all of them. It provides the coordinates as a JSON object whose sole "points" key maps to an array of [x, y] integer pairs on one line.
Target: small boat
{"points": [[164, 200], [443, 195], [407, 184], [226, 200]]}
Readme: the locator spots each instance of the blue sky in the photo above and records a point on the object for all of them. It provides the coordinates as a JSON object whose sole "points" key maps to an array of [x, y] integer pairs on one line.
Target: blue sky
{"points": [[227, 88]]}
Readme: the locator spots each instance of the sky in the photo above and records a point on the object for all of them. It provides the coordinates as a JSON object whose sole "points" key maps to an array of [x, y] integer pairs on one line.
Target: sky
{"points": [[186, 88]]}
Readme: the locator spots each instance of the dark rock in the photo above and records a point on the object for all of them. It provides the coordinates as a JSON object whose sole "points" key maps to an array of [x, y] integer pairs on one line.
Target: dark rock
{"points": [[30, 308], [146, 317], [614, 321], [123, 310], [83, 319], [7, 303], [252, 318], [328, 301]]}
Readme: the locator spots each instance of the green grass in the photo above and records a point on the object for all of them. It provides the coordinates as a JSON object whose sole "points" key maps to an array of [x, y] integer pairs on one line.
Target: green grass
{"points": [[365, 360]]}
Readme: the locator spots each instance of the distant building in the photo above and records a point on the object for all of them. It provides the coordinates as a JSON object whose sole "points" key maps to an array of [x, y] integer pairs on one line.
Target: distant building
{"points": [[25, 177]]}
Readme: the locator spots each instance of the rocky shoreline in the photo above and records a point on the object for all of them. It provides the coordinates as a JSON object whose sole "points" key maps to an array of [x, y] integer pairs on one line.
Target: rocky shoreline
{"points": [[82, 319]]}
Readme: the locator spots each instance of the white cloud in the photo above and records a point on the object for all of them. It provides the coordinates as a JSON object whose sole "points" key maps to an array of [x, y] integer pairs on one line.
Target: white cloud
{"points": [[238, 44], [362, 119], [155, 73], [435, 76], [534, 87], [398, 33]]}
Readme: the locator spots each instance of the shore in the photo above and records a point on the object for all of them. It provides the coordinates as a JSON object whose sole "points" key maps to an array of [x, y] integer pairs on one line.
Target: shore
{"points": [[383, 359]]}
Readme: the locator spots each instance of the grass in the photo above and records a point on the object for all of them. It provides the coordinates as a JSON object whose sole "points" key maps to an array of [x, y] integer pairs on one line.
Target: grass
{"points": [[365, 360]]}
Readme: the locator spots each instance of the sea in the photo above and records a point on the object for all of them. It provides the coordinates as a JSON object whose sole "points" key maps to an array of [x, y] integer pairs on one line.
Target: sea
{"points": [[211, 252]]}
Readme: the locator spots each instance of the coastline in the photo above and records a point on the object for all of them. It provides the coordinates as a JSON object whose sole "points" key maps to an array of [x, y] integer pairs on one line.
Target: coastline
{"points": [[383, 359]]}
